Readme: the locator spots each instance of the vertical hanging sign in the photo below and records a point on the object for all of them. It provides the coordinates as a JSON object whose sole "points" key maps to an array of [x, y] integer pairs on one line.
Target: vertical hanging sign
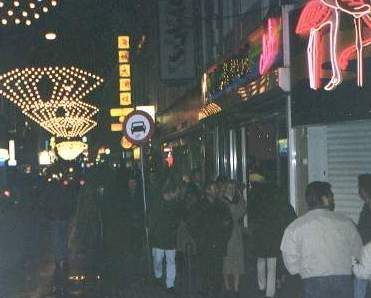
{"points": [[124, 70], [124, 81]]}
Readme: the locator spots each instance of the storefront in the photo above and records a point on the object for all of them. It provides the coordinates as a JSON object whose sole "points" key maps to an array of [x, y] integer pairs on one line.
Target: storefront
{"points": [[244, 111], [181, 137], [331, 109]]}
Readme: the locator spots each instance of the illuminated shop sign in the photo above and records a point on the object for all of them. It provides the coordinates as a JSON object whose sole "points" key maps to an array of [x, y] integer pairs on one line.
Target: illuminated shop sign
{"points": [[324, 18], [263, 55], [263, 84], [124, 72]]}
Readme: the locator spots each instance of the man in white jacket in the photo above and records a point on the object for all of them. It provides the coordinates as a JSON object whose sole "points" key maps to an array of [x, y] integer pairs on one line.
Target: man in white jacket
{"points": [[319, 246]]}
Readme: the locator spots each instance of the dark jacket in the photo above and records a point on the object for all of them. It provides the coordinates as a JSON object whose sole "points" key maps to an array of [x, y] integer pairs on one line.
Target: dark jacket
{"points": [[269, 213], [210, 224], [165, 219], [364, 224], [58, 202]]}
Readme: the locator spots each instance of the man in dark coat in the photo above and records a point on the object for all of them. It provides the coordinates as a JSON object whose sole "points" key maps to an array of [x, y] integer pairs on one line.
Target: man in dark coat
{"points": [[364, 225], [269, 213], [165, 218], [211, 227], [59, 207]]}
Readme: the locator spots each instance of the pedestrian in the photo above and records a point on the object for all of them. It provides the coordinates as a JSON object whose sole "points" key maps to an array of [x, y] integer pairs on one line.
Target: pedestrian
{"points": [[319, 246], [364, 228], [186, 245], [165, 217], [266, 211], [234, 263], [59, 207], [134, 229], [212, 228]]}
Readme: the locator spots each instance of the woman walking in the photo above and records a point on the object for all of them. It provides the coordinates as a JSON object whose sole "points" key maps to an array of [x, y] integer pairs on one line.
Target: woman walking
{"points": [[234, 265]]}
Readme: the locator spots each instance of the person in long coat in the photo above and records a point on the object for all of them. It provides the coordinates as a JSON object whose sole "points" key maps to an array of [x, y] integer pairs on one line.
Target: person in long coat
{"points": [[234, 264], [211, 225], [269, 214], [165, 218]]}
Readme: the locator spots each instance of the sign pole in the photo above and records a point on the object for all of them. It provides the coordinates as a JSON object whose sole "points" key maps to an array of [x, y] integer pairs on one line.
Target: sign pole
{"points": [[138, 128], [145, 205]]}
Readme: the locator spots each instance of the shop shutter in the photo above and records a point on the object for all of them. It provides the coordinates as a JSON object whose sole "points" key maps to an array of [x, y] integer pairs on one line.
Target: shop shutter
{"points": [[349, 154]]}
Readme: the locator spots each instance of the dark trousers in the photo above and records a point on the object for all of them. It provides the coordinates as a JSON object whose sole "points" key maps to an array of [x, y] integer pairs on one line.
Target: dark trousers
{"points": [[59, 230], [328, 286], [211, 265]]}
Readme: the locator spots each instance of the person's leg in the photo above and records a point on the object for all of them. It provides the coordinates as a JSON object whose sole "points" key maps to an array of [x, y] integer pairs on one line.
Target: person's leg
{"points": [[215, 273], [360, 288], [271, 277], [341, 286], [226, 282], [158, 256], [262, 277], [316, 287], [59, 240], [236, 282], [170, 268]]}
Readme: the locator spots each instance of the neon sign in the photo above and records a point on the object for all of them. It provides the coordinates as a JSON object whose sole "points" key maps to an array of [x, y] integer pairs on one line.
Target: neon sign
{"points": [[318, 14], [260, 53], [270, 45]]}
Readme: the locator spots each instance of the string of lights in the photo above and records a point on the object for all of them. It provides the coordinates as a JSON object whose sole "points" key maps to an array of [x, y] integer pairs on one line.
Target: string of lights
{"points": [[64, 114], [20, 12]]}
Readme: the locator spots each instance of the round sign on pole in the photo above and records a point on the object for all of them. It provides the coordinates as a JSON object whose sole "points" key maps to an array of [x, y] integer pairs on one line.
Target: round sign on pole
{"points": [[138, 127]]}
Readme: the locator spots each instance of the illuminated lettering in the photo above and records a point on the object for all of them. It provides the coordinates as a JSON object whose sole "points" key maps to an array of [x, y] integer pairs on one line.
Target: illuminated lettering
{"points": [[320, 13], [270, 45]]}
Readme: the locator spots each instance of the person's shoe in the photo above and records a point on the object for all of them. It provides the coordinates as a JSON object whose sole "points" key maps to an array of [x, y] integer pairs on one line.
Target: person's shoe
{"points": [[171, 291]]}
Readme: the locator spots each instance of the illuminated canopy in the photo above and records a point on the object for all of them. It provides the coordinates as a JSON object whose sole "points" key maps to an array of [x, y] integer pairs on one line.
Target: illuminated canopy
{"points": [[64, 114], [70, 150], [22, 12]]}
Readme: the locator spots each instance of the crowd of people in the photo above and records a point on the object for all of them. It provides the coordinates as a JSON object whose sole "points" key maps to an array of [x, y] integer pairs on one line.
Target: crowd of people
{"points": [[327, 251], [203, 234], [205, 228]]}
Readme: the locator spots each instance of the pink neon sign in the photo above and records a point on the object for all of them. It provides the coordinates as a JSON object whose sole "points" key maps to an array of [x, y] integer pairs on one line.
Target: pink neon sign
{"points": [[270, 45], [318, 14]]}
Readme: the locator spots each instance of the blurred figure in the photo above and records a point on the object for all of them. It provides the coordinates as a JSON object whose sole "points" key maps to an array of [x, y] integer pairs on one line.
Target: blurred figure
{"points": [[212, 228], [266, 229], [234, 263], [186, 245], [165, 217], [319, 246], [134, 229], [86, 231], [364, 228], [58, 206]]}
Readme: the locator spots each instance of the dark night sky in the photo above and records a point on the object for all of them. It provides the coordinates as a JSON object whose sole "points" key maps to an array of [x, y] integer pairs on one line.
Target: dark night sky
{"points": [[87, 31]]}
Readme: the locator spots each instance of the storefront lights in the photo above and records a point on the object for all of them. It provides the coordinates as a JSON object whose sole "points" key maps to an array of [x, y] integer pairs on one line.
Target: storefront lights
{"points": [[64, 114], [4, 155], [45, 158], [50, 36]]}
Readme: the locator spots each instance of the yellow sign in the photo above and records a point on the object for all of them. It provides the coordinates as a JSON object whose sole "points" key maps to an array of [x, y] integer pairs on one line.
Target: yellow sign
{"points": [[125, 85], [124, 56], [116, 127], [125, 143], [119, 112], [136, 153], [124, 42], [124, 70], [125, 98]]}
